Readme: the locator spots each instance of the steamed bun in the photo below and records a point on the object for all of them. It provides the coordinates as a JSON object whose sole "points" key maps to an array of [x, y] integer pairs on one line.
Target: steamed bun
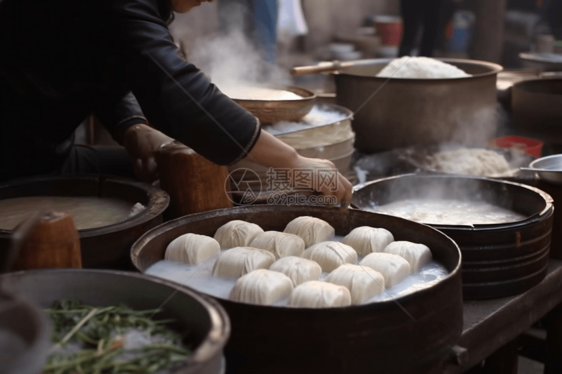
{"points": [[366, 239], [192, 249], [315, 294], [263, 287], [237, 234], [238, 261], [312, 230], [330, 255], [417, 255], [279, 243], [300, 270]]}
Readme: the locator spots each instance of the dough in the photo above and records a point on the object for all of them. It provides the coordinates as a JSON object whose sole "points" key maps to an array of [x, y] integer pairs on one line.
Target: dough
{"points": [[238, 261], [330, 255], [362, 282], [312, 230], [300, 270], [420, 68], [393, 268], [417, 255], [192, 249], [264, 287], [237, 234], [279, 243], [366, 239], [315, 294]]}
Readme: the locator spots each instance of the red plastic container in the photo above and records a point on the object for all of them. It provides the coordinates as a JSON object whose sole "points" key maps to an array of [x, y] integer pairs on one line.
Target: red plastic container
{"points": [[390, 29], [529, 146]]}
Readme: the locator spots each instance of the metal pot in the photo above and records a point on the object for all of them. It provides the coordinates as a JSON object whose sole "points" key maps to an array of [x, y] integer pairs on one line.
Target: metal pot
{"points": [[499, 259], [410, 112], [376, 337], [106, 246], [537, 109], [206, 321]]}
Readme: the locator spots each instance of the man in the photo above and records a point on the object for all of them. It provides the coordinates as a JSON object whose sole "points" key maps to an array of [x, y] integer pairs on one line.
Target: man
{"points": [[61, 60], [416, 13]]}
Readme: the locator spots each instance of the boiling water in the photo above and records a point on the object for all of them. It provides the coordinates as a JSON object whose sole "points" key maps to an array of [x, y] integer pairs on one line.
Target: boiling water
{"points": [[200, 278], [448, 212], [87, 212]]}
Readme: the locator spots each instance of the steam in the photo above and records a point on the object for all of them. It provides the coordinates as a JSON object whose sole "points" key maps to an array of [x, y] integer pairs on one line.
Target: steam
{"points": [[231, 59], [478, 128]]}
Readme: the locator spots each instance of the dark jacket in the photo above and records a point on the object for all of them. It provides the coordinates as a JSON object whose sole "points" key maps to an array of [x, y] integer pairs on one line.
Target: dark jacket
{"points": [[61, 60]]}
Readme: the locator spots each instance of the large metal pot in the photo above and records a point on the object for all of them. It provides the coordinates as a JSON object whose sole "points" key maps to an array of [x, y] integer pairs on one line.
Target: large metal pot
{"points": [[205, 320], [373, 338], [537, 109], [106, 246], [408, 112], [498, 259]]}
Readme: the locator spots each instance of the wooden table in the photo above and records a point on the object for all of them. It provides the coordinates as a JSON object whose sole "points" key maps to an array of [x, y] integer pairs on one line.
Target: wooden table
{"points": [[491, 326]]}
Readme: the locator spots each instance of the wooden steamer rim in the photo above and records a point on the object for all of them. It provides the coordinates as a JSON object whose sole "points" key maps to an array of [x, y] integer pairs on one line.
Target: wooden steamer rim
{"points": [[499, 260], [284, 339]]}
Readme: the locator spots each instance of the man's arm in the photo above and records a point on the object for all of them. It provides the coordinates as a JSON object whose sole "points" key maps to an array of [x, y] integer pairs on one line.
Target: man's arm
{"points": [[118, 114], [175, 96]]}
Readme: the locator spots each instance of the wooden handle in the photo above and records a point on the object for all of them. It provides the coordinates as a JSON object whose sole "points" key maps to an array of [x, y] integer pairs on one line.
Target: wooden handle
{"points": [[53, 243], [193, 183], [327, 66], [305, 70]]}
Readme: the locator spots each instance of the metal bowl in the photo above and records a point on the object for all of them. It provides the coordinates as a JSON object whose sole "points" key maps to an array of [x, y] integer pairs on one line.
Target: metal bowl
{"points": [[204, 319], [537, 107], [553, 163], [269, 111], [542, 61]]}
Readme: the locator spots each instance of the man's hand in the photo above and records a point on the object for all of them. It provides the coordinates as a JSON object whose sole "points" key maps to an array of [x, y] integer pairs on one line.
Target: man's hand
{"points": [[141, 142], [272, 152], [343, 188]]}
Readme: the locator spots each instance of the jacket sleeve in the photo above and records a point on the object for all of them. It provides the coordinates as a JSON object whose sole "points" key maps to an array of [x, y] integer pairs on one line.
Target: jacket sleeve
{"points": [[118, 114], [175, 96]]}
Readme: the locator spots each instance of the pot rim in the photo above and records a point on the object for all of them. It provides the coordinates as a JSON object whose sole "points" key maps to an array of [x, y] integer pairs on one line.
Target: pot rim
{"points": [[494, 70], [217, 336], [158, 202], [185, 220], [547, 211]]}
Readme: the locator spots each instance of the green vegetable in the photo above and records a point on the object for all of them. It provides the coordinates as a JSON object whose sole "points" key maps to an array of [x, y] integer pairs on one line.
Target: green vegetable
{"points": [[100, 332]]}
